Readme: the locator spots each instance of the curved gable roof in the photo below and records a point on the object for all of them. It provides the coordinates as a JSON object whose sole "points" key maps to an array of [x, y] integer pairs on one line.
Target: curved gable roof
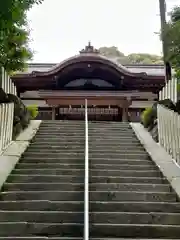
{"points": [[88, 57]]}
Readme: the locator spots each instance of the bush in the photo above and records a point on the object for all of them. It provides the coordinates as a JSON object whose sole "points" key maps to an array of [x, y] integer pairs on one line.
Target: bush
{"points": [[3, 96], [148, 117], [178, 106], [168, 103], [22, 115], [33, 110]]}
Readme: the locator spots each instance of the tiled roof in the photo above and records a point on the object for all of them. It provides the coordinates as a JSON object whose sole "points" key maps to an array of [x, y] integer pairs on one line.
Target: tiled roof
{"points": [[153, 69]]}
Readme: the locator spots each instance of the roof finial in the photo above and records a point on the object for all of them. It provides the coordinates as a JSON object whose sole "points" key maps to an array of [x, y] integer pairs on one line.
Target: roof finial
{"points": [[89, 49]]}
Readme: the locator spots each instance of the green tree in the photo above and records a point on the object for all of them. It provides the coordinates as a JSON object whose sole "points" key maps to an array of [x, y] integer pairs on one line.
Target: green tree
{"points": [[14, 33], [172, 34], [134, 58], [111, 52], [144, 58]]}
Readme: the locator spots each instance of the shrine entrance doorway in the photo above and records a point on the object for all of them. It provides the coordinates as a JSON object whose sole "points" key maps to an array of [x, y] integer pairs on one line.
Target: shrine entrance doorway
{"points": [[95, 113]]}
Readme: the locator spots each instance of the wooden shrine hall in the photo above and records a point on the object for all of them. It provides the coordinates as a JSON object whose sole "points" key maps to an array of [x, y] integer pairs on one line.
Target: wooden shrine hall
{"points": [[109, 88]]}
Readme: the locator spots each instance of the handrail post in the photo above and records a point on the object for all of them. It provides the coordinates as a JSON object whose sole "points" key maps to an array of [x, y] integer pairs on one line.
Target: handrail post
{"points": [[86, 182]]}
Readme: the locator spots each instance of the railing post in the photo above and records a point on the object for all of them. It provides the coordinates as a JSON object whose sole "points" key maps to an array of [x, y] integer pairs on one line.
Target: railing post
{"points": [[86, 182]]}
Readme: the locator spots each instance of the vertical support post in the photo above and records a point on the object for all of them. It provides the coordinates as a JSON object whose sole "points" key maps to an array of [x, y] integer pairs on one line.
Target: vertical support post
{"points": [[125, 114], [126, 104], [119, 113], [167, 65], [53, 113]]}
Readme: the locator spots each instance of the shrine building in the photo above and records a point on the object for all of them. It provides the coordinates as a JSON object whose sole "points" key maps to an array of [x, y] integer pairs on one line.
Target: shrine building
{"points": [[113, 92]]}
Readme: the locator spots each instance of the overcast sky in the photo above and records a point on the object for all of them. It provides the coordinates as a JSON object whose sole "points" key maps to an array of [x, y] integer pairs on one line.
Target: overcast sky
{"points": [[60, 28]]}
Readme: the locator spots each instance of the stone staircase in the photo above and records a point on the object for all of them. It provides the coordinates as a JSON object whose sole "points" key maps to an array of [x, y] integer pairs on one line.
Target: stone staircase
{"points": [[43, 197], [132, 199]]}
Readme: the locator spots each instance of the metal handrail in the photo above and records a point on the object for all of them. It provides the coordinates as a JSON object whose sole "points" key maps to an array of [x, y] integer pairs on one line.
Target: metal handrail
{"points": [[86, 181]]}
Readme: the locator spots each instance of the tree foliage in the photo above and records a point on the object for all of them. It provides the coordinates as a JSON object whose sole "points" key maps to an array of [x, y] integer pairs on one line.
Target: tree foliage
{"points": [[172, 34], [14, 33], [134, 58]]}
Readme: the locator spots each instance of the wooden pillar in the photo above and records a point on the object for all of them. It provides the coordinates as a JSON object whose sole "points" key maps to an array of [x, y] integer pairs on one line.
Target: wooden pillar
{"points": [[119, 113], [125, 107], [53, 113], [125, 114]]}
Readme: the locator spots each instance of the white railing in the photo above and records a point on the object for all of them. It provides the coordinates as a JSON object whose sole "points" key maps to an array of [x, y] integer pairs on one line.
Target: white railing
{"points": [[6, 82], [169, 91], [6, 124], [86, 182], [169, 131], [6, 111]]}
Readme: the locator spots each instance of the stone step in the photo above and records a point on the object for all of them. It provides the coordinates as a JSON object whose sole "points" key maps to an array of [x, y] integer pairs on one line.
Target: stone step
{"points": [[93, 172], [118, 137], [113, 139], [45, 186], [67, 155], [69, 132], [94, 217], [113, 129], [96, 230], [94, 196], [105, 126], [75, 155], [108, 123], [109, 133], [46, 205], [70, 143], [127, 142], [135, 231], [65, 145], [54, 161], [105, 142], [42, 195], [23, 178], [60, 134], [91, 140], [42, 216], [61, 137], [47, 238], [61, 142], [41, 229], [91, 150], [128, 155], [82, 123], [78, 146], [73, 238], [135, 218], [62, 126], [51, 151], [143, 207], [60, 129], [105, 151], [82, 129], [65, 126], [43, 205], [62, 123], [92, 165]]}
